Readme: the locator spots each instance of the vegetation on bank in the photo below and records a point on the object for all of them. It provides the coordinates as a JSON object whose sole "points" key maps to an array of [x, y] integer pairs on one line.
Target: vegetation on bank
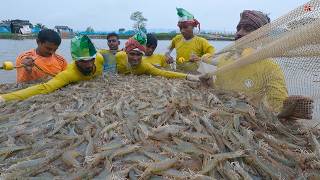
{"points": [[17, 36], [160, 36]]}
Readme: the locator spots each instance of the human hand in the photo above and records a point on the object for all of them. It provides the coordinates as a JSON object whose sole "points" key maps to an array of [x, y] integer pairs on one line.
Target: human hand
{"points": [[194, 58], [297, 107], [28, 63], [169, 59], [207, 80], [192, 77]]}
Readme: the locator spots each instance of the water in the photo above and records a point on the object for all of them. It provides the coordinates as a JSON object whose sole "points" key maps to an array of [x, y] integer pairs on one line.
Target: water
{"points": [[10, 49]]}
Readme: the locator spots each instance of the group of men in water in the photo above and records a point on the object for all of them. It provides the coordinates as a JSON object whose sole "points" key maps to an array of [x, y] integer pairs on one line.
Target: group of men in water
{"points": [[263, 78]]}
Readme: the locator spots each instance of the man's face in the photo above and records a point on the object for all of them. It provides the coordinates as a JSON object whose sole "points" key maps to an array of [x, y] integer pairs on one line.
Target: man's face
{"points": [[150, 49], [46, 49], [243, 30], [86, 67], [113, 43], [134, 57], [186, 31]]}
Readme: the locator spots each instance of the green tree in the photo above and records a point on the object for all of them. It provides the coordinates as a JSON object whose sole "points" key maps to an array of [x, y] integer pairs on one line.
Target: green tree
{"points": [[139, 21], [89, 29]]}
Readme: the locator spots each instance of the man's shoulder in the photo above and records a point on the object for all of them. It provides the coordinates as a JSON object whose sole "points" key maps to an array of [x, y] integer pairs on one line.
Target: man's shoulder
{"points": [[121, 58], [198, 38], [146, 65], [270, 63], [70, 72], [60, 58], [99, 58], [25, 54], [29, 52], [177, 37], [121, 54], [104, 51], [71, 67]]}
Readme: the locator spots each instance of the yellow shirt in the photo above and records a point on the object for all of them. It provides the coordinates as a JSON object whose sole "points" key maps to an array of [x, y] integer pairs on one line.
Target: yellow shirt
{"points": [[106, 51], [158, 60], [109, 60], [123, 67], [70, 75], [184, 48], [263, 79]]}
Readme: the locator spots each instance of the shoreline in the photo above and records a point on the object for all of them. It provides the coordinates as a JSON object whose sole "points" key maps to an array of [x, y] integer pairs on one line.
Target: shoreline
{"points": [[160, 36]]}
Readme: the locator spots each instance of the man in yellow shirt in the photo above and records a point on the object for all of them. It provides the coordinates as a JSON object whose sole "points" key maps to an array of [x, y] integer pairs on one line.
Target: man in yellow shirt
{"points": [[189, 47], [113, 43], [263, 79], [130, 61], [158, 60], [109, 66]]}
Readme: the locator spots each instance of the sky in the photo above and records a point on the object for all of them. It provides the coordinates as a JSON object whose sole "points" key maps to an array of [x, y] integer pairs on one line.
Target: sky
{"points": [[109, 15]]}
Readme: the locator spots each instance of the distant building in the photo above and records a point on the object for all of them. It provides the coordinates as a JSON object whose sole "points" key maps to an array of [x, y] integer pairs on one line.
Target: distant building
{"points": [[121, 30], [21, 26], [129, 33], [16, 26], [64, 31], [5, 27]]}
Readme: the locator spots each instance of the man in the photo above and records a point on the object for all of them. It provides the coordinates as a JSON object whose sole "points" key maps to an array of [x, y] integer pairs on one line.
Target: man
{"points": [[157, 60], [130, 61], [109, 66], [113, 43], [41, 62], [88, 64], [263, 79], [189, 47]]}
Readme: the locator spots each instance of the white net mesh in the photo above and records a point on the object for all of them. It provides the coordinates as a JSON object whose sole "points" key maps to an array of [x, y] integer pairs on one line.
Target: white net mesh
{"points": [[293, 42]]}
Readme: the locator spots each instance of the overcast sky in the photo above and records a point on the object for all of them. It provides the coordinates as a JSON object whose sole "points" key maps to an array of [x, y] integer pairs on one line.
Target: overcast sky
{"points": [[103, 15]]}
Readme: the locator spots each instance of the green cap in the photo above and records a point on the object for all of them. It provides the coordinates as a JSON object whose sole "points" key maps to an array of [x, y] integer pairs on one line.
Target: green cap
{"points": [[141, 37], [82, 48], [184, 15]]}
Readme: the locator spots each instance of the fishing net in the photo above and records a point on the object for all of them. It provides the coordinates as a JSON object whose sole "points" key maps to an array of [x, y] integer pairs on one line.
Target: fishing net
{"points": [[291, 43]]}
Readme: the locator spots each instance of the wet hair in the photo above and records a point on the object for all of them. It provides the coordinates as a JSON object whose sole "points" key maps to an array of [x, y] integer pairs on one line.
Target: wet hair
{"points": [[112, 34], [49, 35], [152, 40]]}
